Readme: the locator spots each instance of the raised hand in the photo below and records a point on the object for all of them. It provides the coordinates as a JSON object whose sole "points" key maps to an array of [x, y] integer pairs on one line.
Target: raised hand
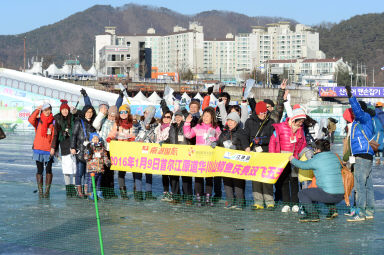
{"points": [[189, 118], [284, 84], [349, 91]]}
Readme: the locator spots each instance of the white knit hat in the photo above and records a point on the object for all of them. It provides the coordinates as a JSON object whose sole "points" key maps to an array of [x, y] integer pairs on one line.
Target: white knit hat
{"points": [[298, 113], [234, 116]]}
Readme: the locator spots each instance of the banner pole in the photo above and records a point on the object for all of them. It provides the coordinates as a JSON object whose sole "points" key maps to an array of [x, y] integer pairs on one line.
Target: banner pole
{"points": [[97, 213]]}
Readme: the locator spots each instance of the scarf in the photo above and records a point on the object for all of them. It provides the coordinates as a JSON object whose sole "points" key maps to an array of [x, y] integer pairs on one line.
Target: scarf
{"points": [[66, 122], [125, 124], [164, 126], [46, 121]]}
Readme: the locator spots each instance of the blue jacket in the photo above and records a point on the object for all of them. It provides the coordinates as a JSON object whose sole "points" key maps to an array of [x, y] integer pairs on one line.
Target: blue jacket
{"points": [[327, 170], [380, 115], [362, 130]]}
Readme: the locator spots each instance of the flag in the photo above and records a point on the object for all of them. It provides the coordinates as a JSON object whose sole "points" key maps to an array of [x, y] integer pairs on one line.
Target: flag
{"points": [[248, 87]]}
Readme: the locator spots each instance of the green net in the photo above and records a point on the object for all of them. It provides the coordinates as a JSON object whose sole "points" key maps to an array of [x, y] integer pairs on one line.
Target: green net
{"points": [[134, 225]]}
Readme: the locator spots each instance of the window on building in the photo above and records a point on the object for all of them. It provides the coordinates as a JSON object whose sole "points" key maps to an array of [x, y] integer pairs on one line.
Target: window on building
{"points": [[128, 44], [128, 57]]}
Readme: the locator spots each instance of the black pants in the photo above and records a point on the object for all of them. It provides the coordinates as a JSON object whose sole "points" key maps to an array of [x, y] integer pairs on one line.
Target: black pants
{"points": [[107, 179], [175, 184], [199, 185], [48, 167], [166, 182], [187, 187], [121, 178], [287, 187], [308, 196], [217, 186]]}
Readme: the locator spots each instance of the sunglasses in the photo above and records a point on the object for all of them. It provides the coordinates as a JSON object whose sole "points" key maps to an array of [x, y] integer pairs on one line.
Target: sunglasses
{"points": [[167, 117], [123, 112]]}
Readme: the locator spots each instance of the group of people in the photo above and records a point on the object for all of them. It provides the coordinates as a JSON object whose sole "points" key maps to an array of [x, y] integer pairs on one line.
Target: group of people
{"points": [[84, 136]]}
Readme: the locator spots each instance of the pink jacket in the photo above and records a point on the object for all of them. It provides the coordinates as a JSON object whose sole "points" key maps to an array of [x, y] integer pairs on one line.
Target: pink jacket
{"points": [[281, 139], [205, 134]]}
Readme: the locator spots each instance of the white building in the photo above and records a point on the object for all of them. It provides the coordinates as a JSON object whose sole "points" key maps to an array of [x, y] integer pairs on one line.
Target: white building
{"points": [[232, 56], [308, 71]]}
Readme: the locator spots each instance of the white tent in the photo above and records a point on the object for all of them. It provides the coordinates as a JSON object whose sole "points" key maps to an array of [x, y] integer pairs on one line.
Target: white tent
{"points": [[140, 97], [155, 98], [92, 71], [79, 70], [37, 68], [186, 97], [52, 70], [198, 96], [67, 70]]}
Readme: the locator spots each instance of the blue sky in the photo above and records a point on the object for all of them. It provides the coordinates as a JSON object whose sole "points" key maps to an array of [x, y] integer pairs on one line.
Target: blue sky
{"points": [[19, 16]]}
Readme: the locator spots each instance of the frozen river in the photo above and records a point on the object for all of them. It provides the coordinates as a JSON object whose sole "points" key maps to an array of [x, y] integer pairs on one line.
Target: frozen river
{"points": [[68, 226]]}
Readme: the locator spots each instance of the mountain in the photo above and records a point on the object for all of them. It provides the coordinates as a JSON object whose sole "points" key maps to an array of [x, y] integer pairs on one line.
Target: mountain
{"points": [[358, 39], [75, 35]]}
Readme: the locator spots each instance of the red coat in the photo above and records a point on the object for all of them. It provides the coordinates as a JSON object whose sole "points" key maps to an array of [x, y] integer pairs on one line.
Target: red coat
{"points": [[280, 140], [41, 143]]}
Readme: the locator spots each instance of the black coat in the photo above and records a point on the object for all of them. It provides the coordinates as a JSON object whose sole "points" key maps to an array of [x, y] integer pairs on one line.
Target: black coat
{"points": [[175, 132], [252, 125], [65, 145], [236, 136], [78, 136]]}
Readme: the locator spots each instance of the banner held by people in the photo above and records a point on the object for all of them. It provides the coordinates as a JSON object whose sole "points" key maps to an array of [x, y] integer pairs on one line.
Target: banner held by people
{"points": [[197, 161]]}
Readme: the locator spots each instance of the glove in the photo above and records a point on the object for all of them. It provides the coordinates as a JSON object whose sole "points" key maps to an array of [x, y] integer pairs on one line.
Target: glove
{"points": [[210, 90], [163, 103], [121, 93], [213, 145], [256, 140], [109, 140], [161, 143], [83, 92], [349, 91], [325, 130]]}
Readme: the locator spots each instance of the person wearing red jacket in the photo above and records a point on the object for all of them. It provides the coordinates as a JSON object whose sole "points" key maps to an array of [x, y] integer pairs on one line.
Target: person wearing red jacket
{"points": [[289, 137], [43, 122]]}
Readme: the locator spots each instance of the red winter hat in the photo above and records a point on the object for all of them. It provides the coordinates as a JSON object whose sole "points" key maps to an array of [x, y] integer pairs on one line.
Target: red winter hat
{"points": [[64, 105], [348, 115], [261, 107]]}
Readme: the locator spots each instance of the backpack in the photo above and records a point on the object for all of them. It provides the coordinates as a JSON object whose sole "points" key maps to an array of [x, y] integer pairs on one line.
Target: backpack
{"points": [[378, 132]]}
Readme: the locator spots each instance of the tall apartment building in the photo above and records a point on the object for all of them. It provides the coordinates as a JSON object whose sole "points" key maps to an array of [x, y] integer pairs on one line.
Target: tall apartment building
{"points": [[231, 56]]}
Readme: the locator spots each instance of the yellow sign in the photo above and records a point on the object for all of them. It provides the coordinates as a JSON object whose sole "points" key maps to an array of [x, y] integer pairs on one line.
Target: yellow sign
{"points": [[196, 161]]}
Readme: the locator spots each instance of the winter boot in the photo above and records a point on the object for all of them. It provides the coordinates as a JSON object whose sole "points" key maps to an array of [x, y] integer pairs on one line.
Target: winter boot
{"points": [[208, 200], [150, 196], [138, 195], [72, 190], [198, 200], [39, 181], [80, 193], [123, 192], [48, 182]]}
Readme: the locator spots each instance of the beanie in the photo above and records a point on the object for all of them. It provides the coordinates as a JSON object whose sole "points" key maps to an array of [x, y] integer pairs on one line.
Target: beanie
{"points": [[179, 112], [91, 135], [125, 107], [270, 102], [46, 106], [348, 115], [261, 107], [64, 105], [298, 113], [234, 116]]}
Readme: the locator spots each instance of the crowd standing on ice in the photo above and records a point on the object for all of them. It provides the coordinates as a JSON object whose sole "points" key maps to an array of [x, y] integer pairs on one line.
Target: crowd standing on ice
{"points": [[83, 136]]}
